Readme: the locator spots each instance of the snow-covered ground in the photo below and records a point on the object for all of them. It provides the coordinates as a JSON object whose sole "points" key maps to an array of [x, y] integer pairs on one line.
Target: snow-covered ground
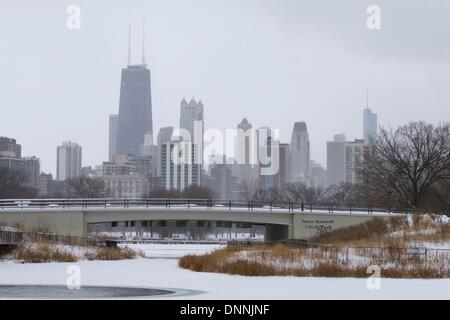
{"points": [[172, 250], [157, 271]]}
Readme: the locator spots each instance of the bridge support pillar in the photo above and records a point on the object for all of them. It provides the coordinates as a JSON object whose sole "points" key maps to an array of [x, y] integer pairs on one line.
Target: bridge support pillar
{"points": [[276, 232]]}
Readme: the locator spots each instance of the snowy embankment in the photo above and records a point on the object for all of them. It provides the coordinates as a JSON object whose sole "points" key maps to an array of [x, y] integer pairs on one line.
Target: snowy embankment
{"points": [[165, 273], [173, 250]]}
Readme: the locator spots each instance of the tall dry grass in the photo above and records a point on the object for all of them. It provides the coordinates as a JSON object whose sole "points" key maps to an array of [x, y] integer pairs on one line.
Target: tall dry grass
{"points": [[379, 231], [112, 253], [373, 229], [43, 252], [345, 252], [281, 260]]}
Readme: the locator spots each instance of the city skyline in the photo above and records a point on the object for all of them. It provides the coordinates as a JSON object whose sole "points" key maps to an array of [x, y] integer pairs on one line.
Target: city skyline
{"points": [[200, 63]]}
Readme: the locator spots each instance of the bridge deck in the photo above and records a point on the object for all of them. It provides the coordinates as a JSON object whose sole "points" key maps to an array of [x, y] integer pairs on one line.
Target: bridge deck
{"points": [[181, 208]]}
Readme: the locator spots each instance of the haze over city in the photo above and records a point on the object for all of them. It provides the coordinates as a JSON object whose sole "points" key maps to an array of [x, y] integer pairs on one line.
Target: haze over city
{"points": [[273, 62]]}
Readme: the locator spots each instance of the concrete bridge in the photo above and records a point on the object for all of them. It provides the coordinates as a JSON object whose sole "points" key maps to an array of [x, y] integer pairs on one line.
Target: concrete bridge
{"points": [[281, 220]]}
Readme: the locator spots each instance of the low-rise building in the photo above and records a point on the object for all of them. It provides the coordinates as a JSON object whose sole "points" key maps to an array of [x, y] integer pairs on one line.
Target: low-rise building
{"points": [[126, 186]]}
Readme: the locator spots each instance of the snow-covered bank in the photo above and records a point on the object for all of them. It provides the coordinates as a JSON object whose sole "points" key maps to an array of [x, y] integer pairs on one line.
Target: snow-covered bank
{"points": [[172, 250], [165, 274]]}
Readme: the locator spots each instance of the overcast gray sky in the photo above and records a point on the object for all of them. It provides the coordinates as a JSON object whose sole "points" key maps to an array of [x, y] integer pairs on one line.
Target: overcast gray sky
{"points": [[272, 61]]}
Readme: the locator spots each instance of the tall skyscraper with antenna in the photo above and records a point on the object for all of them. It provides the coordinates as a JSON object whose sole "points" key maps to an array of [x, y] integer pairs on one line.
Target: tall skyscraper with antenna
{"points": [[135, 106], [370, 122]]}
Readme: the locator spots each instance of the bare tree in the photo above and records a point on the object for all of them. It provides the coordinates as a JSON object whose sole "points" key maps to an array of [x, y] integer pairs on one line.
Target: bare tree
{"points": [[197, 192], [345, 194], [13, 185], [300, 192], [85, 187], [250, 189], [408, 163], [294, 191], [438, 200]]}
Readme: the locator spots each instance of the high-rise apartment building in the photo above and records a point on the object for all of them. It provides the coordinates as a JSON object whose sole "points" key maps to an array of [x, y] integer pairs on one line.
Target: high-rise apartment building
{"points": [[178, 174], [8, 144], [68, 161], [11, 158], [32, 169], [44, 183], [164, 137], [344, 158], [354, 156]]}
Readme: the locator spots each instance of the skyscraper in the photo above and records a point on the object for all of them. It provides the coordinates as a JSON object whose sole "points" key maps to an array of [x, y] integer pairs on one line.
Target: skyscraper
{"points": [[300, 152], [191, 119], [135, 107], [113, 122], [354, 156], [370, 123], [336, 160], [318, 175], [32, 170], [245, 144], [164, 137], [177, 174], [281, 177], [268, 157], [68, 164], [190, 113], [246, 153]]}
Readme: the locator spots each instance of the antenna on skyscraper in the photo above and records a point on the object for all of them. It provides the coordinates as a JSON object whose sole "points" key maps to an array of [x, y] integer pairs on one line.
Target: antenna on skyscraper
{"points": [[143, 42], [367, 98], [129, 43]]}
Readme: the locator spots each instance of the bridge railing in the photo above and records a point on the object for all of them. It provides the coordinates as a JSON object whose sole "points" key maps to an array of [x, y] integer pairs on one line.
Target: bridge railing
{"points": [[209, 204], [17, 237], [11, 237]]}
